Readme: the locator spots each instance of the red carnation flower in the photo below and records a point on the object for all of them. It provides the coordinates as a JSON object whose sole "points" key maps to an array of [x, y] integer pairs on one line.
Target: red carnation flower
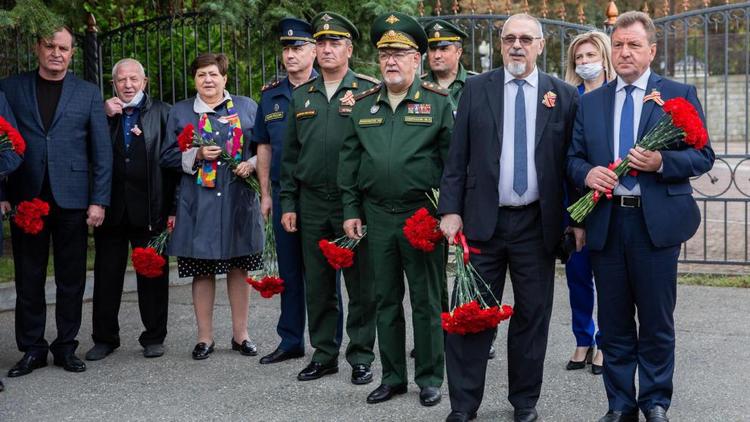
{"points": [[686, 117], [422, 230], [338, 257], [185, 138], [471, 318], [267, 286], [10, 138], [28, 215], [147, 262]]}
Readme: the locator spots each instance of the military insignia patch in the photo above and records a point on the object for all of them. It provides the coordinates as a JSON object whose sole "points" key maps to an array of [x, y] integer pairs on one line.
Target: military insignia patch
{"points": [[276, 107], [277, 115], [290, 32], [416, 108], [392, 19], [306, 114], [436, 34], [375, 121], [345, 111], [307, 103], [327, 17], [437, 27], [374, 109], [347, 99], [419, 120]]}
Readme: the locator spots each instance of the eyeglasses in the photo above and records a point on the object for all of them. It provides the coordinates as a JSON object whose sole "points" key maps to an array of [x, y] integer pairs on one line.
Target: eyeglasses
{"points": [[525, 40], [384, 56]]}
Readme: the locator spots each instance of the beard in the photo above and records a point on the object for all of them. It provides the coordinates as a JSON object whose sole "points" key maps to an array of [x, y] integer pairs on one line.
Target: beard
{"points": [[515, 68]]}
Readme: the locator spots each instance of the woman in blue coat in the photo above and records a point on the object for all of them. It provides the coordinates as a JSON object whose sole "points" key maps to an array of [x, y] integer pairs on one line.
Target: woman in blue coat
{"points": [[218, 227]]}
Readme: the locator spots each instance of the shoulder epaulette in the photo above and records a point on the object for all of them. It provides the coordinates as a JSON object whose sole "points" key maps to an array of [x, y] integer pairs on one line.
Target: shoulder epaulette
{"points": [[370, 91], [307, 82], [434, 88], [367, 78], [270, 85]]}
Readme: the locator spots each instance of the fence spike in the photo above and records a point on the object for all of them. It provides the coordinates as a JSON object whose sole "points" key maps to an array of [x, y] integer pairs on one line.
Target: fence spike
{"points": [[508, 7], [612, 14], [438, 7], [581, 14], [665, 8], [685, 5], [526, 6], [473, 6], [91, 23], [644, 9], [545, 9], [420, 8], [454, 7], [561, 11]]}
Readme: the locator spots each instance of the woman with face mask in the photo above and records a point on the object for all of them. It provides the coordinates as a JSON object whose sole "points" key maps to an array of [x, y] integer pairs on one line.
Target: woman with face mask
{"points": [[589, 67]]}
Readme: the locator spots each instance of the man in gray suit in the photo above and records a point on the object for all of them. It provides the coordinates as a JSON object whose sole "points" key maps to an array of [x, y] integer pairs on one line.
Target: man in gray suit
{"points": [[68, 163]]}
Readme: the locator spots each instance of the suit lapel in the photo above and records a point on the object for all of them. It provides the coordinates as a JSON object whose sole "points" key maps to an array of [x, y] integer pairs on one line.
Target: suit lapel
{"points": [[32, 99], [67, 93], [542, 112], [494, 89], [609, 112], [654, 83]]}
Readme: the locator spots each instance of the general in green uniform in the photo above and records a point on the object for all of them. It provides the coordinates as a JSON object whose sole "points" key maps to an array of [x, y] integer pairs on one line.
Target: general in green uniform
{"points": [[311, 199], [397, 140], [444, 57]]}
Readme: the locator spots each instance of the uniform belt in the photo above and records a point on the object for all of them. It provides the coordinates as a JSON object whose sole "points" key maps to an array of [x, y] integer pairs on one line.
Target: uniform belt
{"points": [[627, 201], [519, 207]]}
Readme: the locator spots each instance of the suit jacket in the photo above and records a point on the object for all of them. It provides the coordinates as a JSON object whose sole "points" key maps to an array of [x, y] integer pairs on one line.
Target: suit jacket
{"points": [[76, 151], [671, 214], [9, 160], [470, 180]]}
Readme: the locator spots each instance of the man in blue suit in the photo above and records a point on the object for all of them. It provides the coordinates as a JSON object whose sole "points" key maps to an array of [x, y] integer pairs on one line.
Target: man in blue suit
{"points": [[635, 237], [68, 164]]}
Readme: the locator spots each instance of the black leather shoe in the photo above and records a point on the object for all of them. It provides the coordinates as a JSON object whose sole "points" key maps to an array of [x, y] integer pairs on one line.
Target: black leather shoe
{"points": [[456, 416], [597, 369], [657, 414], [316, 370], [202, 350], [525, 415], [247, 348], [27, 364], [619, 416], [70, 363], [429, 396], [99, 351], [153, 350], [573, 365], [361, 374], [491, 355], [279, 355], [385, 392]]}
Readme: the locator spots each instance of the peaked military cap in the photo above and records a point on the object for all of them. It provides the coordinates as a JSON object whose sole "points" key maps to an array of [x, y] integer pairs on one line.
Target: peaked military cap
{"points": [[332, 25], [293, 31], [441, 33], [398, 30]]}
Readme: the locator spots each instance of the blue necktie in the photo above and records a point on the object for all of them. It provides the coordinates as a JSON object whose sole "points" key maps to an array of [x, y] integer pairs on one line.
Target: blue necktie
{"points": [[520, 183], [627, 135]]}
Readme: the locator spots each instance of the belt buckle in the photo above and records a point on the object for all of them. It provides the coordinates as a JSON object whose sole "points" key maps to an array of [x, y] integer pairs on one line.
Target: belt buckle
{"points": [[630, 201]]}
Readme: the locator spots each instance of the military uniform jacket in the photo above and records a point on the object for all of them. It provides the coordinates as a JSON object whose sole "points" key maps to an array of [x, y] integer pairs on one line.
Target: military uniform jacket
{"points": [[314, 136], [456, 87], [394, 158], [271, 120]]}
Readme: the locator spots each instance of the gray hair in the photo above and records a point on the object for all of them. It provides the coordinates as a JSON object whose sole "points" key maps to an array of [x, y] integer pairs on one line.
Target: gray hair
{"points": [[117, 65], [524, 16]]}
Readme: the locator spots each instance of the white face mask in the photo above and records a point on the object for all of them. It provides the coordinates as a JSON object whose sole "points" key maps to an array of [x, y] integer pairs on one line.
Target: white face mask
{"points": [[589, 71], [135, 101]]}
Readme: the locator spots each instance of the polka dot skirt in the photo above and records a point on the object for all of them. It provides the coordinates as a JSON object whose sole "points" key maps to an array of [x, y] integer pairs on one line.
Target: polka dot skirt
{"points": [[192, 267]]}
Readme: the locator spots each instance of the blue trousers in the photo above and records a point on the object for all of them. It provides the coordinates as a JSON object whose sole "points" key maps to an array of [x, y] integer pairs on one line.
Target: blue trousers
{"points": [[581, 289], [291, 325], [634, 275]]}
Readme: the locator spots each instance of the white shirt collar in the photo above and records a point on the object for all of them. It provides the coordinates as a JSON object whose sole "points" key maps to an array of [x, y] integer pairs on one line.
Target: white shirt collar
{"points": [[532, 79], [200, 107], [640, 83]]}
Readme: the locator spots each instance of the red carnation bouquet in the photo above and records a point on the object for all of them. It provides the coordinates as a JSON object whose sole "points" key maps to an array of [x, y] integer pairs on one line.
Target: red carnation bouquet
{"points": [[340, 252], [190, 138], [10, 138], [680, 122], [422, 230], [149, 261], [471, 313], [28, 215], [268, 283]]}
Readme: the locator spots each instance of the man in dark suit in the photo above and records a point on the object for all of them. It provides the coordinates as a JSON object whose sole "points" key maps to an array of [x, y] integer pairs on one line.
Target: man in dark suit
{"points": [[68, 163], [142, 195], [635, 238], [502, 186]]}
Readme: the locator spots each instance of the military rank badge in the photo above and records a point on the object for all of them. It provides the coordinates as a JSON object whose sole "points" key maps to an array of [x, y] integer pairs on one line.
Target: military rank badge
{"points": [[416, 108], [549, 99]]}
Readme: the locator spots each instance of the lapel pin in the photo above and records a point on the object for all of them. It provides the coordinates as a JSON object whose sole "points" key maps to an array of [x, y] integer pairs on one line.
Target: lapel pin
{"points": [[549, 99]]}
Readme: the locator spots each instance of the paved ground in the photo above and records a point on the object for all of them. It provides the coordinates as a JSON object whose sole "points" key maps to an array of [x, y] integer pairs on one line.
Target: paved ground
{"points": [[713, 363]]}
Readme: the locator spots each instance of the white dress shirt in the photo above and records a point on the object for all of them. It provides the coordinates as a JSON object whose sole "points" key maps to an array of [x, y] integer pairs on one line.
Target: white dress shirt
{"points": [[638, 93], [508, 197]]}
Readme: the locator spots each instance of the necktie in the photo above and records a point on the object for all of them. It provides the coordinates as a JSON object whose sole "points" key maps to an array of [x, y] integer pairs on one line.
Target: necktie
{"points": [[520, 183], [627, 135]]}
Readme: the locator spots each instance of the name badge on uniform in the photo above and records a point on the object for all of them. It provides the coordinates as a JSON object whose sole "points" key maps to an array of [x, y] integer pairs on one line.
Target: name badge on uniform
{"points": [[306, 114], [418, 120], [374, 121], [416, 108], [277, 115]]}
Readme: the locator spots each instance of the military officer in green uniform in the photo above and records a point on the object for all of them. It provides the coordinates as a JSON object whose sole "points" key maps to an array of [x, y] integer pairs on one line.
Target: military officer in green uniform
{"points": [[396, 142], [444, 57], [311, 201]]}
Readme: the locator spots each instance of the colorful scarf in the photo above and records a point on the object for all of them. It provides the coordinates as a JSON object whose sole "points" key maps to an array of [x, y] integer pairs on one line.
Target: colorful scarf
{"points": [[207, 172]]}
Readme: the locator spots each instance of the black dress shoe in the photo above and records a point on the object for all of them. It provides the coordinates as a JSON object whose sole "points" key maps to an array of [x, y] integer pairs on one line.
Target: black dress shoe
{"points": [[202, 350], [153, 350], [316, 370], [361, 374], [619, 416], [456, 416], [99, 351], [70, 363], [429, 396], [385, 392], [525, 415], [279, 355], [573, 365], [247, 348], [597, 369], [27, 364], [491, 355], [657, 414]]}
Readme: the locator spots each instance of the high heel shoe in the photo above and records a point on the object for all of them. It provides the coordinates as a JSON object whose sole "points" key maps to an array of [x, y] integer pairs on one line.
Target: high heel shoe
{"points": [[597, 369], [573, 365]]}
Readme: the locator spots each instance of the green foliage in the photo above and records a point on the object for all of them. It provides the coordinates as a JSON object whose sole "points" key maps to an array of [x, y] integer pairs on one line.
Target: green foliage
{"points": [[31, 16]]}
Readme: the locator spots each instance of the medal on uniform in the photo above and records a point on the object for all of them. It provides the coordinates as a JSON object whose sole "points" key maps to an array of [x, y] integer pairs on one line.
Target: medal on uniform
{"points": [[276, 107], [307, 103], [347, 99], [374, 109]]}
